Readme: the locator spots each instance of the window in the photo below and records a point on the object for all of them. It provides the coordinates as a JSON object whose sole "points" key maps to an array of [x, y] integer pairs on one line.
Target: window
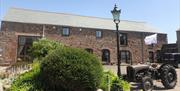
{"points": [[151, 56], [89, 50], [123, 39], [125, 56], [98, 34], [65, 31], [106, 55], [24, 44], [158, 55], [1, 51]]}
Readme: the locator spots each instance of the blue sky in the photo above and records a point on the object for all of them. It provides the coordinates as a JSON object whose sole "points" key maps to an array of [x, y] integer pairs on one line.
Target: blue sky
{"points": [[162, 14]]}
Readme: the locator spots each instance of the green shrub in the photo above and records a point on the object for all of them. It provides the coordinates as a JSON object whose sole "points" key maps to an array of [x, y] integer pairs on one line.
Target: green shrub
{"points": [[28, 81], [106, 80], [71, 69], [119, 85], [42, 47], [64, 69], [114, 82]]}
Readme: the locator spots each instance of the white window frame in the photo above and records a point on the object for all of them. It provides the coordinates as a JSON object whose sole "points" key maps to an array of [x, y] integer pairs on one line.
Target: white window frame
{"points": [[65, 31], [98, 34]]}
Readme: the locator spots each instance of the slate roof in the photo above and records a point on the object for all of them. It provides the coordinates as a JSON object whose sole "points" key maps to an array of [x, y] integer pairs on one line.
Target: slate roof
{"points": [[43, 17], [178, 29]]}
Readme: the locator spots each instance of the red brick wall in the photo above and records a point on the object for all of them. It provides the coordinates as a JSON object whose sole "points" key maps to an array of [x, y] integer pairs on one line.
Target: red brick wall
{"points": [[8, 45], [86, 38]]}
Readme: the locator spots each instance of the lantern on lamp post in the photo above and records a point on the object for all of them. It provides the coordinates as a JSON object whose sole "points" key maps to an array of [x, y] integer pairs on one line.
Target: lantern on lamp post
{"points": [[116, 16]]}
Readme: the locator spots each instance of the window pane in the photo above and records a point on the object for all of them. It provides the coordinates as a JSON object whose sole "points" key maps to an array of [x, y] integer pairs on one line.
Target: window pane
{"points": [[24, 44], [128, 56], [22, 40], [98, 34], [123, 39], [1, 51], [65, 31], [105, 55], [125, 56], [151, 56]]}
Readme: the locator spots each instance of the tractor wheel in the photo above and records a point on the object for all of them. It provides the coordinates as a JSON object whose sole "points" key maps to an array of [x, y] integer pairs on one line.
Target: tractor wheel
{"points": [[168, 76], [147, 84]]}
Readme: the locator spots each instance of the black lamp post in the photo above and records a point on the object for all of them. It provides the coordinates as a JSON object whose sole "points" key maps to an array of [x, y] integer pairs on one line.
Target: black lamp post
{"points": [[116, 14]]}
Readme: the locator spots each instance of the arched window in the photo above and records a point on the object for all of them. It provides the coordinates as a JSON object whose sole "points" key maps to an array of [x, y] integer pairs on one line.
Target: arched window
{"points": [[89, 50], [106, 55]]}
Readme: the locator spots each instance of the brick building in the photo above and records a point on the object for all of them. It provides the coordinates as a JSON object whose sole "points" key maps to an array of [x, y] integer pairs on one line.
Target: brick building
{"points": [[20, 27], [178, 39]]}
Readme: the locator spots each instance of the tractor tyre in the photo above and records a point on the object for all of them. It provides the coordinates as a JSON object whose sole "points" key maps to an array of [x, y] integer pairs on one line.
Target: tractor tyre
{"points": [[168, 76], [147, 84]]}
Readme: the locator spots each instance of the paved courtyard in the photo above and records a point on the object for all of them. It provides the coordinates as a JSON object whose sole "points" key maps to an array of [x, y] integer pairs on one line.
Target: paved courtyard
{"points": [[158, 86]]}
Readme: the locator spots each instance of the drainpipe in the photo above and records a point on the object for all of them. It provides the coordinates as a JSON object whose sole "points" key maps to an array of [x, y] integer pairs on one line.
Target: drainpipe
{"points": [[43, 31], [142, 46]]}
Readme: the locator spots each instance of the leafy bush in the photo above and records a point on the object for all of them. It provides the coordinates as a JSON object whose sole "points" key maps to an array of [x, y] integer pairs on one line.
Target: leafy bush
{"points": [[28, 81], [106, 80], [42, 47], [63, 69], [114, 82], [71, 69], [119, 85]]}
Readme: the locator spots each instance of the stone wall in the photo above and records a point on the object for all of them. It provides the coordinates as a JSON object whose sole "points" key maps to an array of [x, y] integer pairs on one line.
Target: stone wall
{"points": [[86, 38], [8, 47]]}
